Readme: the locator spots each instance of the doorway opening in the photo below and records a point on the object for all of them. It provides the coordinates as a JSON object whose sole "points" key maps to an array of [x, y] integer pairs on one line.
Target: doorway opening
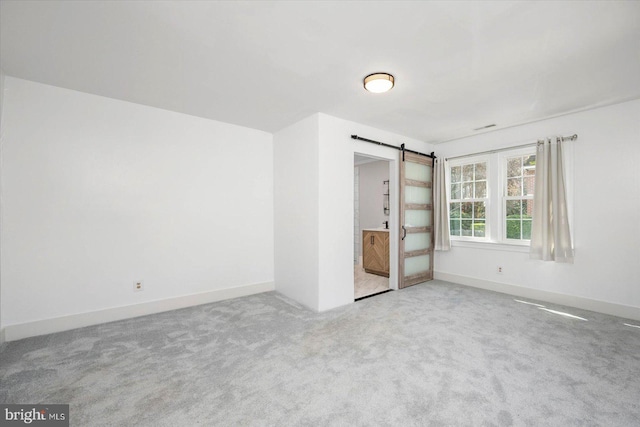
{"points": [[372, 225]]}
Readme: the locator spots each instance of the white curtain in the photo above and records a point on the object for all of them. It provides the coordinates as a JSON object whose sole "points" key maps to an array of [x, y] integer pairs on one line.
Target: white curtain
{"points": [[550, 234], [441, 207]]}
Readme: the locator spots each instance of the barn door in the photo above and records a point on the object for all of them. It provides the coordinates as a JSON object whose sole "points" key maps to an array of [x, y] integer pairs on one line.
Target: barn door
{"points": [[416, 220]]}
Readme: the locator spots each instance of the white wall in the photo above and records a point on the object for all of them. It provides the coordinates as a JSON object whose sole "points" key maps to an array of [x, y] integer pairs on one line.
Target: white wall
{"points": [[336, 232], [296, 211], [356, 214], [371, 198], [371, 195], [1, 95], [314, 202], [1, 132], [98, 193], [606, 227]]}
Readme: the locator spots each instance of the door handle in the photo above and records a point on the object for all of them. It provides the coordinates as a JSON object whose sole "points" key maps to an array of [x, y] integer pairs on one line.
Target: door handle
{"points": [[404, 232]]}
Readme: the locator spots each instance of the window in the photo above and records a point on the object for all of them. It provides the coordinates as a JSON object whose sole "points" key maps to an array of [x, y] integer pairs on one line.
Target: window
{"points": [[468, 201], [518, 200], [491, 197]]}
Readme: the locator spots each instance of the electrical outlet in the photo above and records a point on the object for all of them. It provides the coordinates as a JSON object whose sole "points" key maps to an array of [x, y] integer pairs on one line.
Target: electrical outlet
{"points": [[138, 286], [499, 269]]}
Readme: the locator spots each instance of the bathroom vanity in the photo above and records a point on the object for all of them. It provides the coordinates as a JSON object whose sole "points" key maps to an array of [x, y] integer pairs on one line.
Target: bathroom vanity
{"points": [[375, 251]]}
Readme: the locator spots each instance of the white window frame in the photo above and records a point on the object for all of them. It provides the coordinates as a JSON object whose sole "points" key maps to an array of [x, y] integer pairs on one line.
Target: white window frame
{"points": [[487, 213], [495, 233], [502, 159]]}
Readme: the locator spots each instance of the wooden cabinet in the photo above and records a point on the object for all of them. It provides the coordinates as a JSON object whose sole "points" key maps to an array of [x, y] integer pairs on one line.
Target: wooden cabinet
{"points": [[375, 252]]}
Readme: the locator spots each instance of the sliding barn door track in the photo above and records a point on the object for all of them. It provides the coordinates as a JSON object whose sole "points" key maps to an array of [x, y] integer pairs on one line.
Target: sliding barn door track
{"points": [[373, 295]]}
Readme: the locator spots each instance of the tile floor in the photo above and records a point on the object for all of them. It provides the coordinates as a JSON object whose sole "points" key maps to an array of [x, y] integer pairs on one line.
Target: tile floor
{"points": [[368, 284]]}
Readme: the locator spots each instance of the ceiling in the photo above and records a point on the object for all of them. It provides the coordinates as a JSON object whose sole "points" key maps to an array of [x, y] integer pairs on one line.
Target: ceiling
{"points": [[359, 160], [265, 65]]}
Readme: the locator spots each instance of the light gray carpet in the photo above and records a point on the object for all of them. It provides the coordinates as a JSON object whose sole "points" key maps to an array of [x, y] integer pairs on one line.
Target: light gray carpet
{"points": [[433, 354]]}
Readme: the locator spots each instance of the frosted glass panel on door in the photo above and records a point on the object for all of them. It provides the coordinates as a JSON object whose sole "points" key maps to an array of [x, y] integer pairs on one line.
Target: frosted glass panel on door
{"points": [[417, 172], [420, 195], [416, 265], [417, 241], [417, 218]]}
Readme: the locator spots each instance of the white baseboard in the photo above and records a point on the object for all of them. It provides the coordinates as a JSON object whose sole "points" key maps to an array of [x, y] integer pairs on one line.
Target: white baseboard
{"points": [[620, 310], [58, 324]]}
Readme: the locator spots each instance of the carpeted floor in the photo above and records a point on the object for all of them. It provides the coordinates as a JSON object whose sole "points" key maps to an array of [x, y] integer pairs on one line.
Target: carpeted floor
{"points": [[432, 354]]}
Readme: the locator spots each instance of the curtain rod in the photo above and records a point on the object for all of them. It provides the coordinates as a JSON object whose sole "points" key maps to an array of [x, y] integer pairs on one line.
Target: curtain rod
{"points": [[401, 148], [497, 150]]}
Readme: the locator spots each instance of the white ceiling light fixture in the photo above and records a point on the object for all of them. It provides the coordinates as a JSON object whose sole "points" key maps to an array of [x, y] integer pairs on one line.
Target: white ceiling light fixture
{"points": [[379, 82]]}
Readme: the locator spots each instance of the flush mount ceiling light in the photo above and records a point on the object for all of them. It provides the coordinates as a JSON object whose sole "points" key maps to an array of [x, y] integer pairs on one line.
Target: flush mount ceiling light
{"points": [[378, 82]]}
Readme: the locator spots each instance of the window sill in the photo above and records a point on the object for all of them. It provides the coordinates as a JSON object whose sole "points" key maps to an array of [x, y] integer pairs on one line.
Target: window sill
{"points": [[494, 246]]}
